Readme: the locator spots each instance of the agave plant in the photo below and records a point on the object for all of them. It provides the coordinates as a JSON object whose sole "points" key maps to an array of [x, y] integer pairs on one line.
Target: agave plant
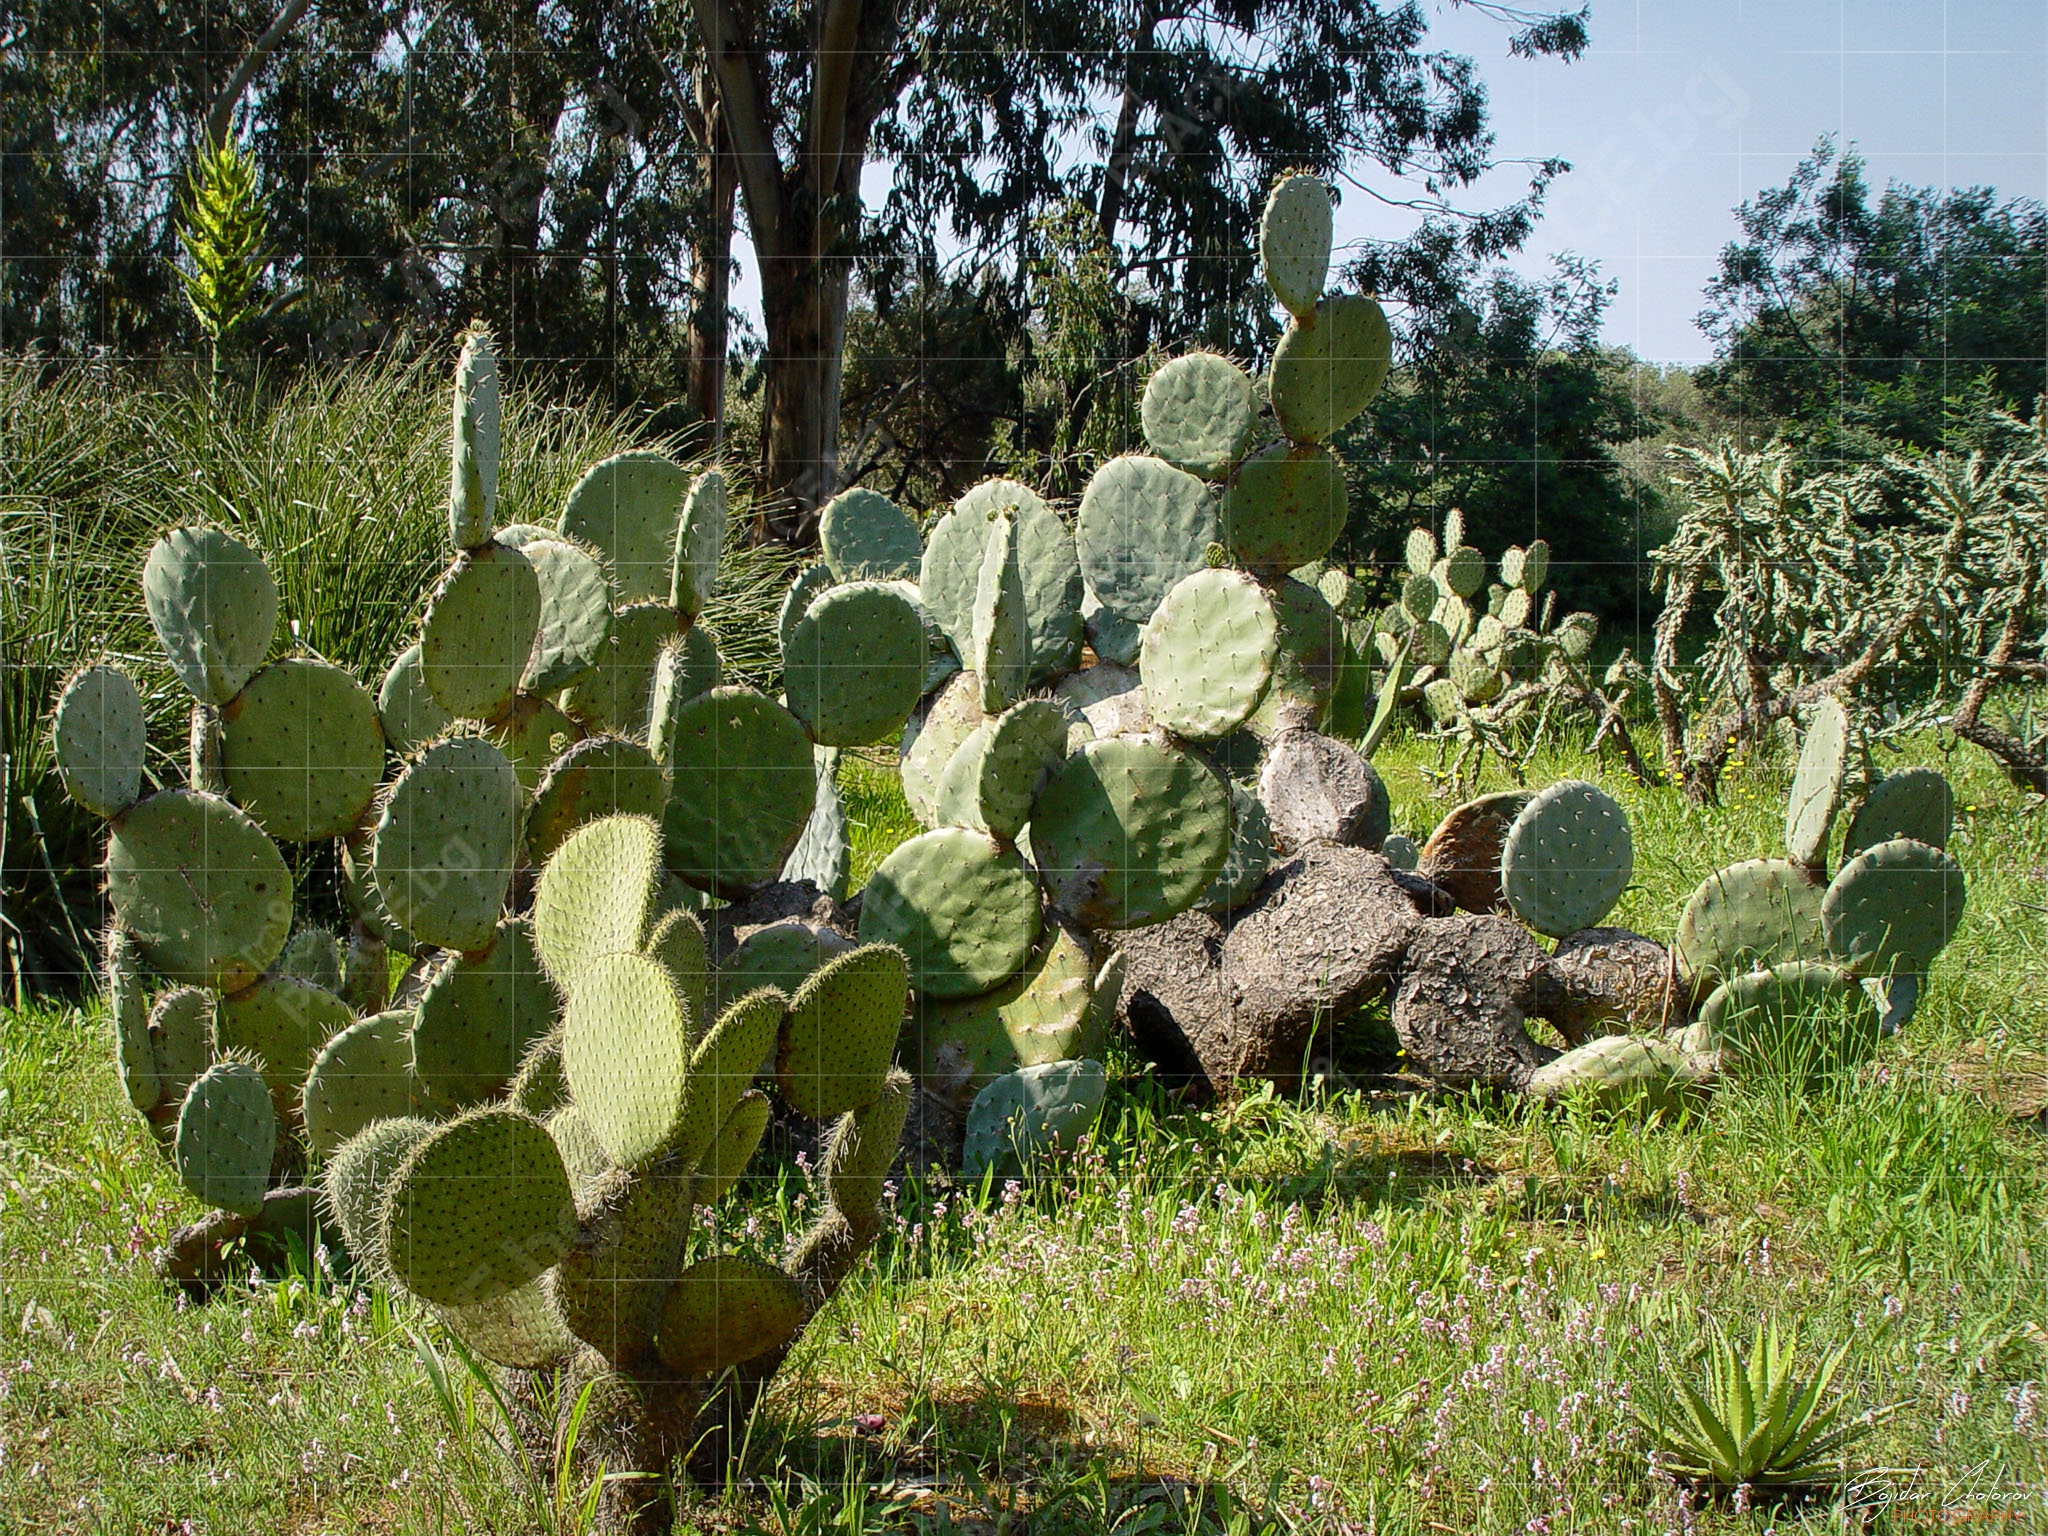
{"points": [[1756, 1424]]}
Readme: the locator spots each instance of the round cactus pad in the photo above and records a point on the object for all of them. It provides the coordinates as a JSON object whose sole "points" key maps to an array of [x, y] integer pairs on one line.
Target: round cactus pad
{"points": [[1284, 507], [1801, 1018], [480, 631], [1894, 907], [1199, 413], [1567, 858], [1115, 638], [617, 694], [950, 575], [1308, 659], [599, 776], [781, 955], [596, 896], [1911, 802], [1041, 1014], [854, 668], [1294, 242], [724, 1311], [1130, 832], [203, 891], [744, 788], [842, 1030], [1817, 784], [997, 773], [99, 737], [227, 1135], [282, 1022], [362, 1075], [626, 1049], [699, 545], [1327, 369], [962, 908], [302, 749], [1143, 526], [627, 508], [357, 1178], [867, 537], [409, 712], [444, 847], [213, 606], [1753, 915], [477, 1016], [480, 1206], [575, 609], [1208, 654], [1030, 1114]]}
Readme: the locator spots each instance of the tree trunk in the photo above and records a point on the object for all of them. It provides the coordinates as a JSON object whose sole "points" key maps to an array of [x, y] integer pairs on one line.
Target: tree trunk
{"points": [[803, 304], [712, 278]]}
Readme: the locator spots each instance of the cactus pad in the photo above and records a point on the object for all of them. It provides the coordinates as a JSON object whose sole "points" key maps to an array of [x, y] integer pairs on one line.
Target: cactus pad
{"points": [[478, 1015], [861, 1147], [931, 739], [1817, 785], [1615, 1070], [575, 608], [1285, 506], [854, 667], [823, 855], [963, 910], [596, 896], [724, 1311], [205, 893], [409, 712], [616, 694], [181, 1039], [1115, 638], [724, 1065], [626, 1050], [686, 666], [1030, 1114], [599, 776], [1910, 802], [1130, 832], [811, 583], [213, 605], [532, 734], [733, 1147], [99, 737], [302, 749], [1001, 657], [227, 1136], [363, 1074], [1199, 413], [745, 785], [1755, 915], [1308, 659], [1143, 526], [1294, 243], [282, 1022], [699, 544], [1399, 850], [950, 575], [1208, 654], [1893, 907], [999, 770], [1041, 1014], [473, 459], [358, 1178], [1567, 858], [1251, 854], [128, 1016], [628, 508], [480, 631], [312, 954], [781, 955], [444, 847], [1802, 1019], [842, 1030], [866, 537], [1327, 369]]}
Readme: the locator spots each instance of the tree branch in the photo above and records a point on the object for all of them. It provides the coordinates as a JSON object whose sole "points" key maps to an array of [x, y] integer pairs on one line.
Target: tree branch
{"points": [[220, 117], [735, 66], [831, 88]]}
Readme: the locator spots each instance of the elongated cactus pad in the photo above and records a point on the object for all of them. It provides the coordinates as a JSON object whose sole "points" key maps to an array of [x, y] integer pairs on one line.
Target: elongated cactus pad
{"points": [[1001, 657], [1284, 507], [1143, 525], [575, 607], [700, 542], [227, 1136], [951, 573], [626, 1049], [931, 739], [1308, 659], [627, 507], [862, 1146], [1294, 243], [406, 707], [596, 896], [867, 537], [444, 847], [1802, 1019], [1036, 1112], [1614, 1071], [1327, 369], [100, 739], [998, 771], [181, 1038], [205, 893], [1199, 413], [1756, 915], [363, 1074], [1208, 654], [686, 666], [1042, 1014], [811, 583], [480, 630], [473, 459], [744, 788], [213, 605], [302, 749], [1567, 858], [723, 1067], [597, 777], [733, 1147], [726, 1310], [477, 1016], [1894, 907], [842, 1030], [1909, 802], [854, 668], [128, 1017], [281, 1022], [616, 695], [962, 908], [823, 855], [1817, 784]]}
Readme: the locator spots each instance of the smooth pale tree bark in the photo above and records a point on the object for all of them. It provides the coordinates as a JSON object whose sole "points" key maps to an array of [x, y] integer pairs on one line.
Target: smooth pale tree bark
{"points": [[220, 116]]}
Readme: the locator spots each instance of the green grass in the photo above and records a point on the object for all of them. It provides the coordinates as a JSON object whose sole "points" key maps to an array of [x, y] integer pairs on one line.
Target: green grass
{"points": [[1341, 1313]]}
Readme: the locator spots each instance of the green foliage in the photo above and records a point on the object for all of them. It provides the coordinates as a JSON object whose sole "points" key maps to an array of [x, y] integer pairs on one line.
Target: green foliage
{"points": [[225, 234]]}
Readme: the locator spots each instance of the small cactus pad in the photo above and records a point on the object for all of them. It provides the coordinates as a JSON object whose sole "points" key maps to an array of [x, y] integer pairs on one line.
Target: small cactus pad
{"points": [[861, 1147], [520, 1329], [811, 582], [444, 847], [302, 749], [781, 955], [213, 605], [1896, 997], [930, 739], [745, 785], [204, 892], [477, 1016], [842, 1031], [1399, 850], [1294, 242], [1802, 1019], [1910, 802], [1308, 659], [362, 1075], [724, 1311], [473, 459], [1030, 1114], [1208, 654], [1567, 858], [358, 1178], [480, 1206], [1284, 507], [1420, 552], [480, 631], [596, 896], [626, 1050], [724, 1065], [227, 1136], [1130, 832], [823, 855], [963, 909], [1041, 1014], [627, 508], [1464, 571], [866, 537], [281, 1022], [408, 710], [616, 695], [733, 1147], [532, 734], [1199, 413], [1143, 525], [1327, 369], [951, 573], [854, 668], [181, 1039], [686, 666], [1614, 1071], [128, 1016], [1817, 785], [1753, 915], [100, 737], [699, 544], [599, 776], [1251, 854], [1001, 657], [312, 954], [999, 770], [575, 609], [1535, 568], [1893, 907], [1115, 638], [540, 1087]]}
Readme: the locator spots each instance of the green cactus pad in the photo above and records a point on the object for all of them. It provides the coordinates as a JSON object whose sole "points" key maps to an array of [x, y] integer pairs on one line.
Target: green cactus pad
{"points": [[609, 1287], [1130, 832], [1893, 907], [1419, 553], [358, 1178], [532, 734], [100, 738], [409, 712], [598, 776], [473, 459], [999, 770], [677, 941], [1308, 660], [227, 1136], [363, 1074], [128, 1018], [866, 537], [1251, 854], [1033, 1113], [181, 1039], [1208, 654], [823, 855], [1535, 567], [1285, 506], [596, 896], [699, 545], [1614, 1071], [578, 1144], [480, 1206], [1294, 242], [1910, 802], [302, 749], [1896, 998], [616, 695], [686, 666], [1803, 1019], [854, 669], [1400, 850], [811, 583], [520, 1329], [1567, 858], [444, 847], [626, 1036], [1464, 570], [1199, 413], [842, 1030], [1114, 638], [205, 893], [961, 907], [745, 785], [628, 508], [540, 1087], [950, 575], [1817, 784], [477, 1016], [213, 606], [480, 630], [733, 1147], [1143, 526], [282, 1022], [1001, 656], [861, 1147], [312, 954], [1041, 1014], [1327, 369], [726, 1310], [575, 608], [781, 955], [723, 1068], [1756, 915], [931, 739]]}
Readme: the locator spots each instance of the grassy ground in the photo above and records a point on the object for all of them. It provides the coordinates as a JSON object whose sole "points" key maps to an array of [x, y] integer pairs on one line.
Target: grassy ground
{"points": [[1345, 1313]]}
